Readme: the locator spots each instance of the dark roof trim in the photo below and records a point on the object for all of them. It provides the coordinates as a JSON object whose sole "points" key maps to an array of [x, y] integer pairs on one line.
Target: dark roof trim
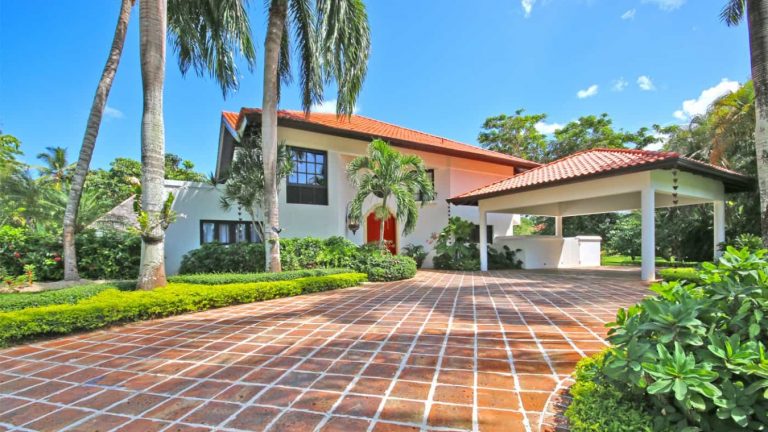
{"points": [[732, 181], [313, 127]]}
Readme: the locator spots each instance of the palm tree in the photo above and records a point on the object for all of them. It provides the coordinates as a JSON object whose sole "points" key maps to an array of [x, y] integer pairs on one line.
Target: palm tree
{"points": [[244, 185], [725, 115], [89, 140], [386, 173], [204, 35], [333, 42], [56, 169], [756, 12]]}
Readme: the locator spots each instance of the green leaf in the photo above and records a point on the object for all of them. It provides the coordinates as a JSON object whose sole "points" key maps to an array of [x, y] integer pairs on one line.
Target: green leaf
{"points": [[660, 386], [739, 416], [681, 389]]}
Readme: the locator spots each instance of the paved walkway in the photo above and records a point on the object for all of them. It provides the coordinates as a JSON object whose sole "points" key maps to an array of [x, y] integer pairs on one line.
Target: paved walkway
{"points": [[444, 351]]}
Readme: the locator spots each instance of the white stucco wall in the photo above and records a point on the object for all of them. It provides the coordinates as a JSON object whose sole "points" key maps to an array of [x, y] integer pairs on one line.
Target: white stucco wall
{"points": [[453, 176]]}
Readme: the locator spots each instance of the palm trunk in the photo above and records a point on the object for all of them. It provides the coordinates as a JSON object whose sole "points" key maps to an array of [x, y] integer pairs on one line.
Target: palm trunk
{"points": [[757, 13], [381, 223], [275, 29], [89, 140], [152, 28]]}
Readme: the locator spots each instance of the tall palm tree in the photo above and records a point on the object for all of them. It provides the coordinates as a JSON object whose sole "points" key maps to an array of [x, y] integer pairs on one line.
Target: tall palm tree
{"points": [[333, 40], [89, 140], [56, 169], [387, 174], [756, 13], [725, 115], [205, 35]]}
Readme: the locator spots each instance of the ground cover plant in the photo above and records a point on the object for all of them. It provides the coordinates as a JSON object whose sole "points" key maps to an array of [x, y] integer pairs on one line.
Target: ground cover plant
{"points": [[693, 357], [113, 306], [23, 300]]}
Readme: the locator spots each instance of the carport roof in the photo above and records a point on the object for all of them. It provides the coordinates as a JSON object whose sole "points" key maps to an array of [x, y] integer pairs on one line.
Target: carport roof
{"points": [[596, 163]]}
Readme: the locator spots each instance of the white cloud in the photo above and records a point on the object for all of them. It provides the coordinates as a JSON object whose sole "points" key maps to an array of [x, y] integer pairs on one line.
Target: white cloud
{"points": [[113, 112], [666, 5], [658, 145], [629, 15], [547, 128], [619, 85], [527, 6], [327, 107], [645, 83], [588, 92], [694, 107]]}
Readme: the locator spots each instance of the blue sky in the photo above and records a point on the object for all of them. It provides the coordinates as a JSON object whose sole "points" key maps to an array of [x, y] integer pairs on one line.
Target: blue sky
{"points": [[441, 69]]}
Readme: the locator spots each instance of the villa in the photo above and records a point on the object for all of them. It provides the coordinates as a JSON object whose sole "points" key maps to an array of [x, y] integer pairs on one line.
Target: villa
{"points": [[488, 188]]}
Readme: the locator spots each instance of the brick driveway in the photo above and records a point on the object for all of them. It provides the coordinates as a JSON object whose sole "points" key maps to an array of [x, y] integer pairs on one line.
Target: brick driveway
{"points": [[444, 351]]}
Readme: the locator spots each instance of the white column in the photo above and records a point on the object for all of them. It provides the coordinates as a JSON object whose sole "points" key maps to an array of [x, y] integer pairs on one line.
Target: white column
{"points": [[648, 249], [719, 226], [558, 226], [483, 241]]}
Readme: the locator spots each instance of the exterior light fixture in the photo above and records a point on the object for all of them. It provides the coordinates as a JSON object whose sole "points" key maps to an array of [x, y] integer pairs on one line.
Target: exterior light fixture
{"points": [[353, 224]]}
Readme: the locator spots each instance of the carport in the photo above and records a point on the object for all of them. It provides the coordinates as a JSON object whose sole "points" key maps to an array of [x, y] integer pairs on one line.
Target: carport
{"points": [[610, 180]]}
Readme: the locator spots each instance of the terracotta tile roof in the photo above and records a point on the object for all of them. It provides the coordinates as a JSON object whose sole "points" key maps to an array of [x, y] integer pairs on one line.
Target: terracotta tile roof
{"points": [[593, 163], [361, 127], [231, 118]]}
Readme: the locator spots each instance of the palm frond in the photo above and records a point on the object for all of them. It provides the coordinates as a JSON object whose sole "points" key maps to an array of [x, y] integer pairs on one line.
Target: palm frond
{"points": [[733, 12]]}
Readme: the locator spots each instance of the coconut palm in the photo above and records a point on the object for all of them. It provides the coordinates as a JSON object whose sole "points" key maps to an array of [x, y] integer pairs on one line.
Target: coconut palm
{"points": [[726, 114], [57, 169], [204, 35], [333, 41], [756, 13], [387, 174]]}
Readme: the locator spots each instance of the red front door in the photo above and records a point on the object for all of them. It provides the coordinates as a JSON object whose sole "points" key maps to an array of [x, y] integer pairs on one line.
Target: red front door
{"points": [[390, 231]]}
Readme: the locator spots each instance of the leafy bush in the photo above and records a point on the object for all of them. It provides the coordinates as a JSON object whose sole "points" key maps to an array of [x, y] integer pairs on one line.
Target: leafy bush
{"points": [[689, 274], [108, 254], [228, 278], [112, 306], [457, 251], [749, 241], [104, 254], [220, 258], [696, 352], [416, 252], [310, 252], [599, 406], [23, 300], [381, 266], [624, 237]]}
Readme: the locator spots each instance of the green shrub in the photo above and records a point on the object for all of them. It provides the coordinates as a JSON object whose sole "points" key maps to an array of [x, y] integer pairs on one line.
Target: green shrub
{"points": [[220, 258], [416, 252], [23, 300], [598, 406], [112, 306], [382, 266], [108, 254], [506, 258], [689, 274], [455, 250], [20, 247], [696, 351], [228, 278]]}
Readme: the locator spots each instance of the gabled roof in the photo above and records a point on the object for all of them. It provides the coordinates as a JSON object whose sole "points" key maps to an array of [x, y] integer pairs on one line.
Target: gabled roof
{"points": [[595, 163], [364, 128]]}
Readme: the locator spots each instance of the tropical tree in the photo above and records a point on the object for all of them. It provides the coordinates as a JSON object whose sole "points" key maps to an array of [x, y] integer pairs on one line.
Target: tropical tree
{"points": [[756, 13], [333, 41], [726, 120], [387, 174], [10, 149], [244, 186], [515, 135], [592, 131], [57, 169]]}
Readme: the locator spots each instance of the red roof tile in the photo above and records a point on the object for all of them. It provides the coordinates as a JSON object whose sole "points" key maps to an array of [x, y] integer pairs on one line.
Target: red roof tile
{"points": [[369, 128], [591, 163], [231, 118]]}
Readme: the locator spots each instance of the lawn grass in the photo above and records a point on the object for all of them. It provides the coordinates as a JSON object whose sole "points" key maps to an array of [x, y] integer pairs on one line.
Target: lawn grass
{"points": [[623, 260]]}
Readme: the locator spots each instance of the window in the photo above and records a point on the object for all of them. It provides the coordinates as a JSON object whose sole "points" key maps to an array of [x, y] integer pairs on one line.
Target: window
{"points": [[488, 233], [431, 175], [226, 232], [308, 182]]}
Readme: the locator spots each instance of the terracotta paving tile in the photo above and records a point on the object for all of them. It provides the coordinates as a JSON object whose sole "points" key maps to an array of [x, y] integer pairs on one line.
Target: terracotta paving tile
{"points": [[202, 371]]}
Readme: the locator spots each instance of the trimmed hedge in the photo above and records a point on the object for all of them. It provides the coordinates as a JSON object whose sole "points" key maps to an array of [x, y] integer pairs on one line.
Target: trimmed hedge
{"points": [[598, 406], [23, 300], [689, 274], [229, 278], [112, 306], [382, 266]]}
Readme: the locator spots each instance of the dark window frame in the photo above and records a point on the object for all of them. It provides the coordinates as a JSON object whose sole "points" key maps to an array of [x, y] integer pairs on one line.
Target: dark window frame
{"points": [[431, 174], [306, 193], [475, 237], [232, 228]]}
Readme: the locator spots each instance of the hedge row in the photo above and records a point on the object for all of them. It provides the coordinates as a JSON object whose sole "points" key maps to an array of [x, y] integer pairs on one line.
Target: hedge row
{"points": [[113, 306], [24, 300], [229, 278], [689, 274]]}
